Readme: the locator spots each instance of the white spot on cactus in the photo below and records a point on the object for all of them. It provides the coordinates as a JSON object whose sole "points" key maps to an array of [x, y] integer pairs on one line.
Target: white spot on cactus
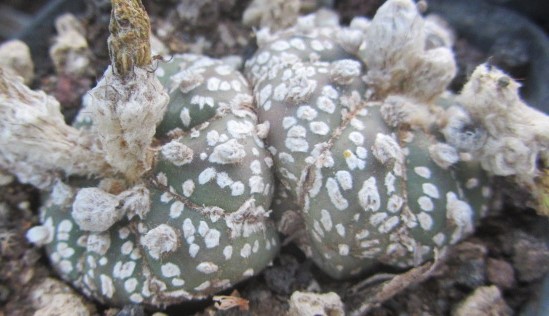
{"points": [[460, 216], [297, 43], [317, 45], [130, 285], [188, 187], [389, 224], [361, 152], [425, 203], [443, 155], [357, 138], [326, 220], [212, 138], [107, 287], [229, 152], [395, 203], [202, 287], [378, 218], [237, 188], [265, 94], [353, 162], [170, 270], [390, 182], [340, 230], [343, 249], [202, 101], [357, 124], [280, 45], [64, 250], [193, 250], [471, 183], [368, 196], [345, 179], [280, 92], [297, 144], [127, 247], [211, 239], [439, 239], [425, 221], [317, 229], [178, 282], [166, 197], [160, 240], [362, 234], [240, 129], [207, 267], [223, 180], [305, 112], [123, 270], [162, 179], [186, 80], [65, 266], [386, 149], [431, 190], [256, 184], [98, 243], [319, 128], [136, 298], [185, 117], [335, 195], [248, 273], [423, 172], [225, 86], [213, 84], [103, 261], [263, 57], [255, 166], [176, 209], [246, 251], [207, 175], [288, 122], [188, 228], [124, 233], [228, 252], [325, 104]]}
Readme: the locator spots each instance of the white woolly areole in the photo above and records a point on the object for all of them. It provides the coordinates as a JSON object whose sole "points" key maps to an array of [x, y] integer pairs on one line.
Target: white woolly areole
{"points": [[229, 152], [386, 149], [460, 216], [177, 153], [135, 201], [125, 112], [160, 240], [34, 139], [95, 210]]}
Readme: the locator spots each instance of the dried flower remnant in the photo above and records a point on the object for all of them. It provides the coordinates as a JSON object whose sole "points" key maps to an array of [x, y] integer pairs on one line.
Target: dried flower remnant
{"points": [[226, 302], [129, 42]]}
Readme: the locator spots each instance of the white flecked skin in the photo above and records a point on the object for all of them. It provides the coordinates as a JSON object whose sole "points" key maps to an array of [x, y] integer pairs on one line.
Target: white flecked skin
{"points": [[372, 185], [206, 225]]}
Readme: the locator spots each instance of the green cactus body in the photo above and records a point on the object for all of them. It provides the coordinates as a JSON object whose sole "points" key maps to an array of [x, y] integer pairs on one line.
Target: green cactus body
{"points": [[209, 193], [368, 193]]}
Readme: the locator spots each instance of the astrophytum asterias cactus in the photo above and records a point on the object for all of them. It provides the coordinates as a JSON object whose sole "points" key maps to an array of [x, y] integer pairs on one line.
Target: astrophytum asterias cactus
{"points": [[356, 142], [199, 221]]}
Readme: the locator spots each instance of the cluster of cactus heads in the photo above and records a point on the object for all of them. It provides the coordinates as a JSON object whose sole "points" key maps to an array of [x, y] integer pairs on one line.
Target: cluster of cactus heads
{"points": [[371, 184], [342, 133]]}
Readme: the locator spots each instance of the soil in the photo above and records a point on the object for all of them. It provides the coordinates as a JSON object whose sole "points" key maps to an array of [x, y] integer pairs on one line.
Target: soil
{"points": [[510, 249]]}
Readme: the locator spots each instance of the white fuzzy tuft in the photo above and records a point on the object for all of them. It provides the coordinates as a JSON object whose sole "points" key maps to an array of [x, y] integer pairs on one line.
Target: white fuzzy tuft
{"points": [[96, 210], [160, 240]]}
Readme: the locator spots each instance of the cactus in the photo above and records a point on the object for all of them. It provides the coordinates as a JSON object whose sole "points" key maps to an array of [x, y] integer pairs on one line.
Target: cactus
{"points": [[197, 225], [371, 174]]}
